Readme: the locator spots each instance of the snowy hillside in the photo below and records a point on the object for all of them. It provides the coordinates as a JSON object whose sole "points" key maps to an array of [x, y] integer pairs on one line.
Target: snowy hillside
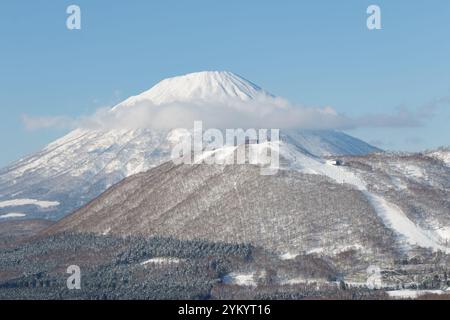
{"points": [[311, 205]]}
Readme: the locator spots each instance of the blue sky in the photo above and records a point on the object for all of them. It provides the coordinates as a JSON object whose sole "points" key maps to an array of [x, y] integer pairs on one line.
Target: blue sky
{"points": [[318, 53]]}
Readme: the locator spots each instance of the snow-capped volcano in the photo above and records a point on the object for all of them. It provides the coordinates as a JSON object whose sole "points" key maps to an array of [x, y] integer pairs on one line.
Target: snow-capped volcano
{"points": [[199, 86], [81, 165]]}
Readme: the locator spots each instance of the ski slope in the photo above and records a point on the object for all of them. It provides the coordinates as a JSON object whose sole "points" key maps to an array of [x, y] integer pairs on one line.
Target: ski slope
{"points": [[392, 216]]}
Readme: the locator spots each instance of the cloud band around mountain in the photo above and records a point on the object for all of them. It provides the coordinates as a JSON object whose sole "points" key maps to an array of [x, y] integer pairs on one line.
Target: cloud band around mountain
{"points": [[229, 113]]}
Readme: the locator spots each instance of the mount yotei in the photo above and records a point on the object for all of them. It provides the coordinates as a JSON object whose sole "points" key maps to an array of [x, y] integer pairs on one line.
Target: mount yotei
{"points": [[75, 169]]}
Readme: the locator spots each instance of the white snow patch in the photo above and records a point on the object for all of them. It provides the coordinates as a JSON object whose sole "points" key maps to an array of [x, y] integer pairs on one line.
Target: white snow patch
{"points": [[12, 215], [411, 170], [221, 155], [444, 233], [24, 202], [307, 164], [240, 279], [356, 284], [299, 280], [411, 294], [398, 183], [161, 260], [288, 256], [316, 250]]}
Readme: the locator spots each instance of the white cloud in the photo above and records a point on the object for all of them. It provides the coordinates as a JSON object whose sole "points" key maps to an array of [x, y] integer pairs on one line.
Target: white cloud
{"points": [[272, 113], [232, 113]]}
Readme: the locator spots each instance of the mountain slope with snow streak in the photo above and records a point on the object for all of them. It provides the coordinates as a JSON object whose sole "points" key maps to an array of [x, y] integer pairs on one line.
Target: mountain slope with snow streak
{"points": [[391, 214]]}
